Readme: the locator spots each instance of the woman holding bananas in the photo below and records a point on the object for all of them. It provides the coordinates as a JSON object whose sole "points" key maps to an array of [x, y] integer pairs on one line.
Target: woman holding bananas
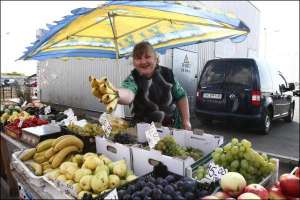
{"points": [[152, 89]]}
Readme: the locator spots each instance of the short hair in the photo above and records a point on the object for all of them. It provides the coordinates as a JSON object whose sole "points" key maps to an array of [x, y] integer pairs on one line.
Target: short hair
{"points": [[142, 48]]}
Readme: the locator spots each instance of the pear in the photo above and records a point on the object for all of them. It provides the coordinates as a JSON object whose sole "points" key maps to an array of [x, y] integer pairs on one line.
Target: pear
{"points": [[63, 168], [61, 178], [92, 162], [69, 182], [53, 174], [131, 178], [129, 172], [120, 169], [85, 182], [114, 181], [100, 168], [70, 172], [77, 188], [78, 158], [80, 194], [86, 155], [80, 173], [105, 159], [99, 182]]}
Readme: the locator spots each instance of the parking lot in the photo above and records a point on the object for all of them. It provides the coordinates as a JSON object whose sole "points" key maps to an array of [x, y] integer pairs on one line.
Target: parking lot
{"points": [[283, 140]]}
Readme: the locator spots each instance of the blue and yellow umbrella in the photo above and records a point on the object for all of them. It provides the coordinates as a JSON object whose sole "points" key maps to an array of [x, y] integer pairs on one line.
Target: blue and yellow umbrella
{"points": [[112, 30]]}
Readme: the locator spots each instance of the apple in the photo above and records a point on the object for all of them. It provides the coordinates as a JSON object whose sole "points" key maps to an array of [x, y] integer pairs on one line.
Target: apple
{"points": [[209, 197], [230, 198], [233, 183], [297, 172], [248, 195], [258, 190], [290, 185], [222, 195], [275, 193]]}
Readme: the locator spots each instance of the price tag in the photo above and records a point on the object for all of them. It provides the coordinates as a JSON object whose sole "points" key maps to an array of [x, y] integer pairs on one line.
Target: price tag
{"points": [[152, 136], [47, 110], [215, 172], [24, 104], [20, 123], [112, 195], [105, 124]]}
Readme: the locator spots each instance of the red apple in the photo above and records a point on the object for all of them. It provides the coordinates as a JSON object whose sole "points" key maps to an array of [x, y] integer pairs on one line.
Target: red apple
{"points": [[230, 198], [275, 193], [258, 190], [297, 172], [290, 185], [277, 184], [247, 196], [210, 197], [222, 195], [233, 183]]}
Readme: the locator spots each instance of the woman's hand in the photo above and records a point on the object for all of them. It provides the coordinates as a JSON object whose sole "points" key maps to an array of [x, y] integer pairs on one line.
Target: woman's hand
{"points": [[187, 125]]}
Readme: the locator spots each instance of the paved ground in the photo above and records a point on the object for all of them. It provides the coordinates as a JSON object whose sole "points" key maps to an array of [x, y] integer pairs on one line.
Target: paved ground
{"points": [[283, 139]]}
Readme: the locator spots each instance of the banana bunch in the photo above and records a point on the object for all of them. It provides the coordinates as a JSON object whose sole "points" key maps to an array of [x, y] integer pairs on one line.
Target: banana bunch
{"points": [[105, 92], [50, 153]]}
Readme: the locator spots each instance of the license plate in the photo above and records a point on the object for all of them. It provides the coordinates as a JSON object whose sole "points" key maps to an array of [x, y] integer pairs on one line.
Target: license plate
{"points": [[212, 96]]}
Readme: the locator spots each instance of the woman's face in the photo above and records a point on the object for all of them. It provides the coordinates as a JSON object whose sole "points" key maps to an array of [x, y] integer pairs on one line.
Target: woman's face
{"points": [[145, 64]]}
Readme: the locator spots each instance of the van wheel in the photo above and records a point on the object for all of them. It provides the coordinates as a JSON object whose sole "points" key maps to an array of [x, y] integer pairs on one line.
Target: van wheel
{"points": [[266, 123], [290, 116]]}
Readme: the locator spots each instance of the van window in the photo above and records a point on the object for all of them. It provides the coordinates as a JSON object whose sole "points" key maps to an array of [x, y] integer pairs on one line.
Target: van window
{"points": [[239, 73], [265, 75], [214, 74]]}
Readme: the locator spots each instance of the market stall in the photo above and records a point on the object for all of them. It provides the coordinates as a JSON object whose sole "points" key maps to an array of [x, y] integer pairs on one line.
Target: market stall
{"points": [[191, 163]]}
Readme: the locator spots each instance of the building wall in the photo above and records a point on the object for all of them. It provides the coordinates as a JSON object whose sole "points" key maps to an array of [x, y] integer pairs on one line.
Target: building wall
{"points": [[66, 82]]}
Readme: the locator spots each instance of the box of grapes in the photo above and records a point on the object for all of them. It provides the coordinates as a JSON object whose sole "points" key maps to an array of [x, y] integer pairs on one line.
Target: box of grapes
{"points": [[236, 156], [177, 151]]}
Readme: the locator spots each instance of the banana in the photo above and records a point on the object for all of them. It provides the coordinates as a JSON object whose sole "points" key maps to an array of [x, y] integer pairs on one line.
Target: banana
{"points": [[106, 90], [37, 168], [46, 167], [57, 140], [27, 154], [47, 170], [102, 80], [42, 153], [107, 98], [110, 85], [51, 158], [50, 152], [40, 159], [93, 81], [45, 163], [96, 92], [112, 105], [60, 156], [46, 144], [68, 142]]}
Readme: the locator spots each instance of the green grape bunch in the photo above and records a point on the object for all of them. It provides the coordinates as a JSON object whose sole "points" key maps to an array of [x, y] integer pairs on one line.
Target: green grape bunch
{"points": [[241, 157]]}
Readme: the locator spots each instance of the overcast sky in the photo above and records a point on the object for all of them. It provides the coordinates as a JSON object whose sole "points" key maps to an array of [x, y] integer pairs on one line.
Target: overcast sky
{"points": [[21, 19]]}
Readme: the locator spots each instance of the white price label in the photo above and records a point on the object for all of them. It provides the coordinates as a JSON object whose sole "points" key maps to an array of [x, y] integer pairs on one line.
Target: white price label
{"points": [[24, 104], [112, 195], [105, 124], [152, 136], [47, 110], [20, 123], [215, 172]]}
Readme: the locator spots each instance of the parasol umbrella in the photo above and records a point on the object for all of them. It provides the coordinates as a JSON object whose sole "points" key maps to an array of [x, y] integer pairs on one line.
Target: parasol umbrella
{"points": [[112, 30]]}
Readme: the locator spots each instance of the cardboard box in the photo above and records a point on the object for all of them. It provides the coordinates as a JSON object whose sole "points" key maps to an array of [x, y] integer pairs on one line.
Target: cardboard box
{"points": [[144, 160], [142, 127], [114, 151]]}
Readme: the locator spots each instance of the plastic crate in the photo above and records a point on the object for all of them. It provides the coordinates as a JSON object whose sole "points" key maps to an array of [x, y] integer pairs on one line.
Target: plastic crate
{"points": [[88, 141]]}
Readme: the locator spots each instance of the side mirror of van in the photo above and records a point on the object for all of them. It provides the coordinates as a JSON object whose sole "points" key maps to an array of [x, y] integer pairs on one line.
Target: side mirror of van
{"points": [[291, 86]]}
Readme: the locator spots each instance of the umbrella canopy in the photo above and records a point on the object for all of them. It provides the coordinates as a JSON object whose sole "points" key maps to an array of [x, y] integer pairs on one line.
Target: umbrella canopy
{"points": [[112, 30]]}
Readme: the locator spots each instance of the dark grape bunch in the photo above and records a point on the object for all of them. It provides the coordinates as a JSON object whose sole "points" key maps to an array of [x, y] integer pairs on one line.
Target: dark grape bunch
{"points": [[124, 138]]}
